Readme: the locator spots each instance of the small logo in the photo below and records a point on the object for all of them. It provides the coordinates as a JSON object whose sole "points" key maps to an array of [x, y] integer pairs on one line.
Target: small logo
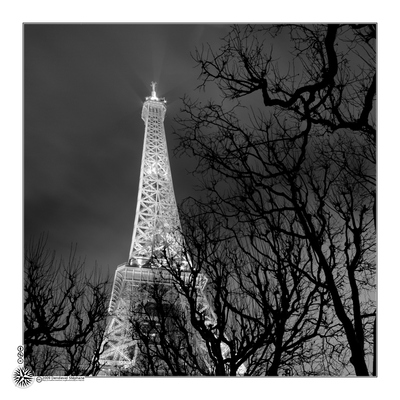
{"points": [[20, 354], [22, 377]]}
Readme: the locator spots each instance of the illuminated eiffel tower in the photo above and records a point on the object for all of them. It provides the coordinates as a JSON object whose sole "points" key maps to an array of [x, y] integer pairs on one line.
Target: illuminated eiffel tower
{"points": [[156, 231]]}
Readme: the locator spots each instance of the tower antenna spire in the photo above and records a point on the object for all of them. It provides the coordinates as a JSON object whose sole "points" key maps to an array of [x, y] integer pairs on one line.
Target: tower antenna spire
{"points": [[153, 90]]}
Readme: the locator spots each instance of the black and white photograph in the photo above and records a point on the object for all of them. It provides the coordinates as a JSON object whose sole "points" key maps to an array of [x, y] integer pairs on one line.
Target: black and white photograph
{"points": [[199, 199], [192, 195]]}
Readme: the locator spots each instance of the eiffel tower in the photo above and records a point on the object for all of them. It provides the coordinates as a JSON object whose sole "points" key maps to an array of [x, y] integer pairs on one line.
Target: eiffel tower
{"points": [[156, 231]]}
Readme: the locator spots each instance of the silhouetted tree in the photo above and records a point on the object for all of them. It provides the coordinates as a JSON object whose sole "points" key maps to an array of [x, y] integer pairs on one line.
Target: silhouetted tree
{"points": [[65, 312], [262, 315], [287, 162]]}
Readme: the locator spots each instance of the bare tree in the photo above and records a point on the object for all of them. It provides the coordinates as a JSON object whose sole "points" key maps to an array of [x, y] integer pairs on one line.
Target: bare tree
{"points": [[266, 311], [259, 319], [65, 313], [292, 179]]}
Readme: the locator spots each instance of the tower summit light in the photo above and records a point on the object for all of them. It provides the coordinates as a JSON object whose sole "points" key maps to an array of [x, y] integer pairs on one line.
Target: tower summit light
{"points": [[153, 92]]}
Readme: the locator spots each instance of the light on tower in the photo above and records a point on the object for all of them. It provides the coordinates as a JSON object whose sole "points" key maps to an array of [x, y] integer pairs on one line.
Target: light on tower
{"points": [[153, 91]]}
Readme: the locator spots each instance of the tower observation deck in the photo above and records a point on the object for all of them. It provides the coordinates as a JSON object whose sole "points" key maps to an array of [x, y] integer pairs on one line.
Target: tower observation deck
{"points": [[156, 232]]}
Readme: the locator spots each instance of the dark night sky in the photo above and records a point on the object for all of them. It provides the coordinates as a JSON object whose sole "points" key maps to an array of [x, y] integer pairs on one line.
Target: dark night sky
{"points": [[84, 86]]}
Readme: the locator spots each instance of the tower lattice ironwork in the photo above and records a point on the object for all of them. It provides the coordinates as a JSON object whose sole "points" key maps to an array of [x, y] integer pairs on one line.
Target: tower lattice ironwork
{"points": [[156, 231]]}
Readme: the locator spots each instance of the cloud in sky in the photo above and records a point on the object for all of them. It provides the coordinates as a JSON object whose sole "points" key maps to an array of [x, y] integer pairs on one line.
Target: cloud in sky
{"points": [[84, 87]]}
